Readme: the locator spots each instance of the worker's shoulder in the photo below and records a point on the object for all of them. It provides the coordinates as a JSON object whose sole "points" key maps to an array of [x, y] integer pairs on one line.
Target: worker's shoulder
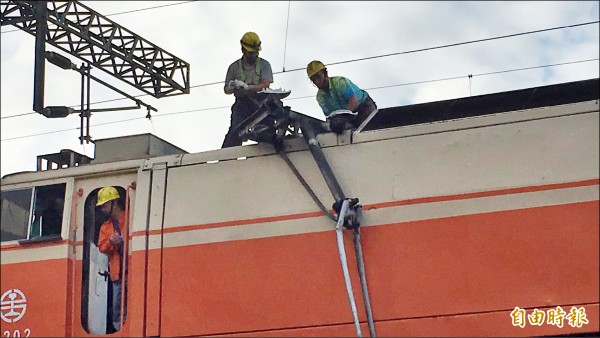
{"points": [[234, 64], [264, 62], [339, 78], [106, 225], [339, 81]]}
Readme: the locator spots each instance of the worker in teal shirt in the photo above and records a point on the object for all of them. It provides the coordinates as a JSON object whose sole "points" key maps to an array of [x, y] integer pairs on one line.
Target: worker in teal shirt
{"points": [[339, 93]]}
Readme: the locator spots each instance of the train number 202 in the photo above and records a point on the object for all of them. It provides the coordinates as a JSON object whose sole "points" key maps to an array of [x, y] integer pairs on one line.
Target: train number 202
{"points": [[17, 333]]}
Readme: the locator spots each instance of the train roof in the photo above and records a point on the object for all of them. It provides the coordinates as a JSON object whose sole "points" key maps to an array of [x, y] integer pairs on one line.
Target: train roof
{"points": [[150, 149], [545, 96]]}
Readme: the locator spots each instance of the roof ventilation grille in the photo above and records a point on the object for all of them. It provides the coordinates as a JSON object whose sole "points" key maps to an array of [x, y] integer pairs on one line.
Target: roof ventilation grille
{"points": [[64, 159]]}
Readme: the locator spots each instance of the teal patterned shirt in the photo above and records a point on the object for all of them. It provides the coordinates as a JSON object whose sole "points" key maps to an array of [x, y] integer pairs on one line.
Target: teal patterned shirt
{"points": [[340, 91]]}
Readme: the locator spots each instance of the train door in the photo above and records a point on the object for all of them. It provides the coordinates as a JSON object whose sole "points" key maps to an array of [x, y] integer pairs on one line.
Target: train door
{"points": [[97, 290]]}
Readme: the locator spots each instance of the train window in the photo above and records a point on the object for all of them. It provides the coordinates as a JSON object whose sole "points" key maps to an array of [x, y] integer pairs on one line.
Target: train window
{"points": [[33, 213], [16, 208]]}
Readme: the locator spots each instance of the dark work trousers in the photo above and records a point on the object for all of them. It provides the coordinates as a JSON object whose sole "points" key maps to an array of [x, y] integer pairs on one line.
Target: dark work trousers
{"points": [[241, 110], [364, 110]]}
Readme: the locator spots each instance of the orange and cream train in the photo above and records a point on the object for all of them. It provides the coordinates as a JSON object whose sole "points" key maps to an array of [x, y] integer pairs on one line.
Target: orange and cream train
{"points": [[481, 223]]}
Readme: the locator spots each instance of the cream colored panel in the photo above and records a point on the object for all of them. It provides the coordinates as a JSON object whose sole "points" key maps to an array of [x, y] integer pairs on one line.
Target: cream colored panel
{"points": [[233, 153], [138, 243], [251, 231], [79, 253], [157, 203], [140, 208], [554, 150], [397, 214], [88, 170], [478, 121], [24, 254], [433, 210], [562, 149], [242, 189]]}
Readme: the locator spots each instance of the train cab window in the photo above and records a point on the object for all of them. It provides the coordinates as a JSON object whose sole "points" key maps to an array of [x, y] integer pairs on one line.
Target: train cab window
{"points": [[33, 214]]}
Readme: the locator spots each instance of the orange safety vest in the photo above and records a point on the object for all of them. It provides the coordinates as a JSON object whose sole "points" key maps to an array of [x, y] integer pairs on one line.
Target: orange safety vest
{"points": [[114, 258]]}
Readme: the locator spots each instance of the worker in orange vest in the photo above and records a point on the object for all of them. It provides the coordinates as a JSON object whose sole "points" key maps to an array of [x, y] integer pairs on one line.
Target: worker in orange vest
{"points": [[110, 242]]}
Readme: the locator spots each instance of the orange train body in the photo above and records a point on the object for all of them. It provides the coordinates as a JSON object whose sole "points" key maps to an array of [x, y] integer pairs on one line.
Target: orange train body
{"points": [[466, 223]]}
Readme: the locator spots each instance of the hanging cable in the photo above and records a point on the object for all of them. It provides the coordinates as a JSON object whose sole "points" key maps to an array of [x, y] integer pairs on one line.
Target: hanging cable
{"points": [[340, 219], [127, 12], [346, 215], [306, 186], [342, 253], [286, 34], [363, 281]]}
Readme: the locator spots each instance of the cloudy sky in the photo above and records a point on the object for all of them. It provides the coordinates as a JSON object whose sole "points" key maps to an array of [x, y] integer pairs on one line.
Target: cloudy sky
{"points": [[373, 43]]}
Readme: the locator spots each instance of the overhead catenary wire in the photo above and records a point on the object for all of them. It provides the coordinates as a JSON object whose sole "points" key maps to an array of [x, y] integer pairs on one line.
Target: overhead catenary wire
{"points": [[375, 88], [149, 8], [286, 34], [127, 12], [484, 74], [370, 58], [297, 98], [75, 128], [464, 43]]}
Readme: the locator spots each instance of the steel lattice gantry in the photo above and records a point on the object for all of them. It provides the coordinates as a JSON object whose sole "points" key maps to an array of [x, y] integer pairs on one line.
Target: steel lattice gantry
{"points": [[93, 38]]}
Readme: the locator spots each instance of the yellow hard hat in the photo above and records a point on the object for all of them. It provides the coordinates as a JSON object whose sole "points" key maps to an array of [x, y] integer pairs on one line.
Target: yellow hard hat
{"points": [[251, 42], [107, 194], [314, 67]]}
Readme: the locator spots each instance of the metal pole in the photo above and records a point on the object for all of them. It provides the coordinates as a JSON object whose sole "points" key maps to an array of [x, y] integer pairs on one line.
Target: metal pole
{"points": [[137, 101], [87, 109], [313, 144], [363, 281], [82, 110], [305, 185], [41, 15], [342, 252]]}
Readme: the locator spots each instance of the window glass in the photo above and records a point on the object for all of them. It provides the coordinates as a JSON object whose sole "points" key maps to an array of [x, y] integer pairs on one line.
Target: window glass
{"points": [[48, 207], [24, 217], [16, 206]]}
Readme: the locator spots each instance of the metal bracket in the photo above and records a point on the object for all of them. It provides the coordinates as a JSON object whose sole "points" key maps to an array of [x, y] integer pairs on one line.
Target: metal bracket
{"points": [[270, 123]]}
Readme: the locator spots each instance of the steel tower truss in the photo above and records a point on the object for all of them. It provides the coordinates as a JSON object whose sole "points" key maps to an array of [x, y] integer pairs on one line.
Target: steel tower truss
{"points": [[99, 41]]}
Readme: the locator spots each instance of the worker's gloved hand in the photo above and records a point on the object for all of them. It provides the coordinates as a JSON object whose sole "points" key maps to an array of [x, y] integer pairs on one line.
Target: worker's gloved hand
{"points": [[116, 239], [238, 84], [338, 124]]}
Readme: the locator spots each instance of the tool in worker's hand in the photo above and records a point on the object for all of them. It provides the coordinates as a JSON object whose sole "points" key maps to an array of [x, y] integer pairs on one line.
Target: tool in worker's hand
{"points": [[238, 84], [339, 120], [279, 93]]}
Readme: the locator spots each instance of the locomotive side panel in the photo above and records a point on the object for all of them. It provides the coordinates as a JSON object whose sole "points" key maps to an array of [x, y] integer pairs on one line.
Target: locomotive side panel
{"points": [[458, 222]]}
